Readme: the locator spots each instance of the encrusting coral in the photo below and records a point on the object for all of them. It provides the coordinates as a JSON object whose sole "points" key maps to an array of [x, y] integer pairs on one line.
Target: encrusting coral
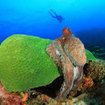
{"points": [[93, 79]]}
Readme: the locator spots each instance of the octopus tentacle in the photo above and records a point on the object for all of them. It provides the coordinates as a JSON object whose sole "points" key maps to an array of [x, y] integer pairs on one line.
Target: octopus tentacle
{"points": [[75, 50], [53, 52], [68, 78], [78, 80], [67, 67]]}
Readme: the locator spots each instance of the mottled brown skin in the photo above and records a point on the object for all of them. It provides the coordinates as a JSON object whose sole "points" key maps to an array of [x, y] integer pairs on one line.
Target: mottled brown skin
{"points": [[69, 53]]}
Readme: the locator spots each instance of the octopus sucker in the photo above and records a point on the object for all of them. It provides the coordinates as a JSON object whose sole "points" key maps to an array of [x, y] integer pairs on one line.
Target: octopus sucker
{"points": [[76, 73], [69, 53]]}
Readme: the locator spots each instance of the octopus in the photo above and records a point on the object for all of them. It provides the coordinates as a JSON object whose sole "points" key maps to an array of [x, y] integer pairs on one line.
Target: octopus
{"points": [[68, 52]]}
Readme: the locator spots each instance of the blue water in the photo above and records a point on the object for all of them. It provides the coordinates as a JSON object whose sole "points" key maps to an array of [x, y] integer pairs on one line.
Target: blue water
{"points": [[86, 18]]}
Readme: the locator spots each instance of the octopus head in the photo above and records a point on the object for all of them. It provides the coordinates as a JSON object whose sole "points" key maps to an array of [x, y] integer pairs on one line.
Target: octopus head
{"points": [[67, 32]]}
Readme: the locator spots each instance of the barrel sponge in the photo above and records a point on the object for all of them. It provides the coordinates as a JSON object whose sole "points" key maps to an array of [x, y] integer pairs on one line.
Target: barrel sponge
{"points": [[25, 64]]}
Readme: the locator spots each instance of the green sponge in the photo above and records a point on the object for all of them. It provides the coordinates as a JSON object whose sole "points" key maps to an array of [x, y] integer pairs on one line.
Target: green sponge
{"points": [[25, 64]]}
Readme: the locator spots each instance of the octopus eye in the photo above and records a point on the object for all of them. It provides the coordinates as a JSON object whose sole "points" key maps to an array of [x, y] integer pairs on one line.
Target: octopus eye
{"points": [[63, 40]]}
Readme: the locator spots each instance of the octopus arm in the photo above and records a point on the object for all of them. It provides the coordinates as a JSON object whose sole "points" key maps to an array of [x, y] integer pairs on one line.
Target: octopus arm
{"points": [[56, 51]]}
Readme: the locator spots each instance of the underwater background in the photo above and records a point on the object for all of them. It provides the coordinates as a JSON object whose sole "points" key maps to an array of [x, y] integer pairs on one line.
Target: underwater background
{"points": [[86, 18], [23, 69]]}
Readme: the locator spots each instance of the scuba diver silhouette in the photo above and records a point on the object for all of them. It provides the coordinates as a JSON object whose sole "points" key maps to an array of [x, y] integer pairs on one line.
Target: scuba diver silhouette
{"points": [[56, 16]]}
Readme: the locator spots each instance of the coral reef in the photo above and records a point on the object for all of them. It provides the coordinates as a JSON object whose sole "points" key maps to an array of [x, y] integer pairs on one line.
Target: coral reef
{"points": [[9, 98], [94, 75], [25, 64], [95, 70]]}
